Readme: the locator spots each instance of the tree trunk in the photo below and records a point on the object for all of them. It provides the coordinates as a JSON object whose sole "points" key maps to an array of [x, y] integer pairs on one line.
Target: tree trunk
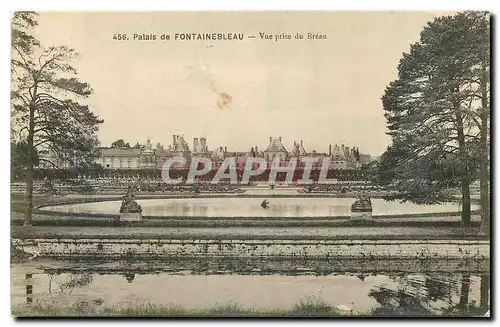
{"points": [[29, 197], [465, 203], [484, 174], [484, 302], [464, 173], [28, 213], [484, 177], [464, 293]]}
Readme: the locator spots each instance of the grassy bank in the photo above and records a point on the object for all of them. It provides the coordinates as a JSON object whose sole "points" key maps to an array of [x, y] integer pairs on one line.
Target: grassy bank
{"points": [[310, 307], [307, 307], [143, 234], [187, 222]]}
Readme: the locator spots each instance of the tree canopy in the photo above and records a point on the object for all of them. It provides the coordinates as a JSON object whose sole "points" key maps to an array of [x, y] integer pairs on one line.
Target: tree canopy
{"points": [[120, 144], [437, 111]]}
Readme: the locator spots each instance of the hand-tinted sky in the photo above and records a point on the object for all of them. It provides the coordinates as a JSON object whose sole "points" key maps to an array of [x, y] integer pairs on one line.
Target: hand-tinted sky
{"points": [[319, 91]]}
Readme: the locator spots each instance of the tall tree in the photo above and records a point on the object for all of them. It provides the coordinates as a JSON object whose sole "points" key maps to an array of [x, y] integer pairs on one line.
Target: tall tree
{"points": [[120, 144], [432, 111], [46, 104], [465, 40]]}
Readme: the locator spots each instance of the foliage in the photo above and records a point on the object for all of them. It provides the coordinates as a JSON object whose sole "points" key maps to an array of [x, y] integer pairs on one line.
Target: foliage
{"points": [[19, 158], [120, 144]]}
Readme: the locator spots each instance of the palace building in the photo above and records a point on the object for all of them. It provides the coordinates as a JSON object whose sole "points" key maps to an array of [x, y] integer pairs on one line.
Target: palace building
{"points": [[149, 157]]}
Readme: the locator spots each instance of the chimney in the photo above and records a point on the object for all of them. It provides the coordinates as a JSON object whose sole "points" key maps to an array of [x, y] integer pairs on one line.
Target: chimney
{"points": [[270, 139], [256, 149], [301, 142], [280, 138], [220, 149], [330, 150], [174, 138], [225, 149], [195, 145]]}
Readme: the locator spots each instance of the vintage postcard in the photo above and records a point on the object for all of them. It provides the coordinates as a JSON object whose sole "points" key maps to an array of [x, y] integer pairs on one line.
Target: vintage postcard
{"points": [[243, 164]]}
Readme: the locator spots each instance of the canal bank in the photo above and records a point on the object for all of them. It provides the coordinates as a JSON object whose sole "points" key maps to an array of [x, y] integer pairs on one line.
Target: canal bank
{"points": [[71, 248]]}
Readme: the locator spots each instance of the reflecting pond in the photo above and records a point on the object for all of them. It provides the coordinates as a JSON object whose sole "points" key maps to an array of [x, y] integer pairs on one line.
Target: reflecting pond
{"points": [[234, 207]]}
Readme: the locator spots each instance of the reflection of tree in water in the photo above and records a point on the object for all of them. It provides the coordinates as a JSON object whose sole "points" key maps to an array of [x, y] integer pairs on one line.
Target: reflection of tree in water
{"points": [[463, 307], [64, 284], [67, 283], [361, 277], [430, 295], [129, 277]]}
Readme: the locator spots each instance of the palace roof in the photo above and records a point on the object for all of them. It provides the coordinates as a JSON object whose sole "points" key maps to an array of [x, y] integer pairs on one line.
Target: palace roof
{"points": [[298, 149], [275, 145]]}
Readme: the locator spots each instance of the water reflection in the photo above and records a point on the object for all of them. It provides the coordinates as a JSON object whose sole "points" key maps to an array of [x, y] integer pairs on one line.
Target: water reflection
{"points": [[69, 282], [455, 294], [376, 293], [129, 277]]}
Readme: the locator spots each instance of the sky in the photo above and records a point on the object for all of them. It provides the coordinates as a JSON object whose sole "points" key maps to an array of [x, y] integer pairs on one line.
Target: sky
{"points": [[321, 91]]}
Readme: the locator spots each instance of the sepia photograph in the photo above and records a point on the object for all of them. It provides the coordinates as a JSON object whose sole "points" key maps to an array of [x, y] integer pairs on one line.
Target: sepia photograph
{"points": [[271, 164]]}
